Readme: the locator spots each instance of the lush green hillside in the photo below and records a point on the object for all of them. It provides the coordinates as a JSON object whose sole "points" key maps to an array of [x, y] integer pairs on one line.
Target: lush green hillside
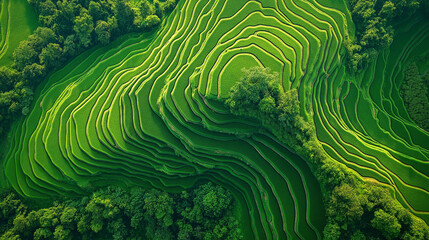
{"points": [[17, 21], [145, 110], [363, 123]]}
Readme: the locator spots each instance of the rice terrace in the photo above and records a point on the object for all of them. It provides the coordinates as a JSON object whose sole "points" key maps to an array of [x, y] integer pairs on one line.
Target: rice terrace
{"points": [[214, 119]]}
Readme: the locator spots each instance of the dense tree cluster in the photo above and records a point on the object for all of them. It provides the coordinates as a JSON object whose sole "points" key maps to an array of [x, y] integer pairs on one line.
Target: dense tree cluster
{"points": [[415, 93], [355, 209], [113, 213], [67, 28], [359, 210], [374, 21], [259, 95]]}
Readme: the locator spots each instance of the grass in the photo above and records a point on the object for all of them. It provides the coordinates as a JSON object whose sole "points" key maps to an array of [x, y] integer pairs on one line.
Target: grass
{"points": [[17, 21]]}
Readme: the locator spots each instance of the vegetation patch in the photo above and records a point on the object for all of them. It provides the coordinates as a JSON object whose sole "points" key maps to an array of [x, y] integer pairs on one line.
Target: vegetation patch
{"points": [[415, 92], [205, 212]]}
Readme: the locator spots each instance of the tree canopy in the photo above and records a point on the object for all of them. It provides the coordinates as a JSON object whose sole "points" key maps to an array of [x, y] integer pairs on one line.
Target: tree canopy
{"points": [[115, 213], [258, 94], [415, 93], [374, 23]]}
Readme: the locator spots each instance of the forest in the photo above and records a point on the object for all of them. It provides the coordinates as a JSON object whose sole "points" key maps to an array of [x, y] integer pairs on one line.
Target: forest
{"points": [[205, 212]]}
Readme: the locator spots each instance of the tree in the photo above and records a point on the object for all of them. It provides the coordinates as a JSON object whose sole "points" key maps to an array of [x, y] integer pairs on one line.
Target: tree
{"points": [[69, 216], [124, 15], [374, 22], [10, 207], [415, 92], [151, 22], [169, 5], [386, 223], [51, 55], [103, 32], [135, 209], [97, 12], [24, 55], [8, 78], [159, 205], [62, 234], [214, 201], [34, 73], [345, 204], [258, 94], [70, 47], [331, 231], [146, 9], [109, 212], [65, 17], [41, 37], [185, 230], [83, 28], [255, 84], [47, 11]]}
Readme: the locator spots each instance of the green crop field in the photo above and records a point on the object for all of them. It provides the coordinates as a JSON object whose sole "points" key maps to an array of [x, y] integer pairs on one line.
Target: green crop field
{"points": [[17, 21], [363, 123], [145, 110]]}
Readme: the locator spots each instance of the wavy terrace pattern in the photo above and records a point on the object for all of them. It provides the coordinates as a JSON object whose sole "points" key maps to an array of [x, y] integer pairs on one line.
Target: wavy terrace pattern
{"points": [[363, 123], [143, 111]]}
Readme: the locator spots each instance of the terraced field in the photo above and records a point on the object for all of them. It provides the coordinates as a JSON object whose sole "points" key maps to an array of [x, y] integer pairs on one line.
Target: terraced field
{"points": [[144, 111], [363, 123], [24, 20]]}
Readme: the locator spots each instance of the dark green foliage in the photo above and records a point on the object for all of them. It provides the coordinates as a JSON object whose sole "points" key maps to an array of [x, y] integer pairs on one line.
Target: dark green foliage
{"points": [[206, 213], [415, 93], [374, 20], [10, 207], [125, 15], [259, 95], [24, 55], [102, 30], [8, 77], [369, 209], [213, 200], [67, 28], [113, 213], [34, 73], [83, 28], [50, 56], [359, 210]]}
